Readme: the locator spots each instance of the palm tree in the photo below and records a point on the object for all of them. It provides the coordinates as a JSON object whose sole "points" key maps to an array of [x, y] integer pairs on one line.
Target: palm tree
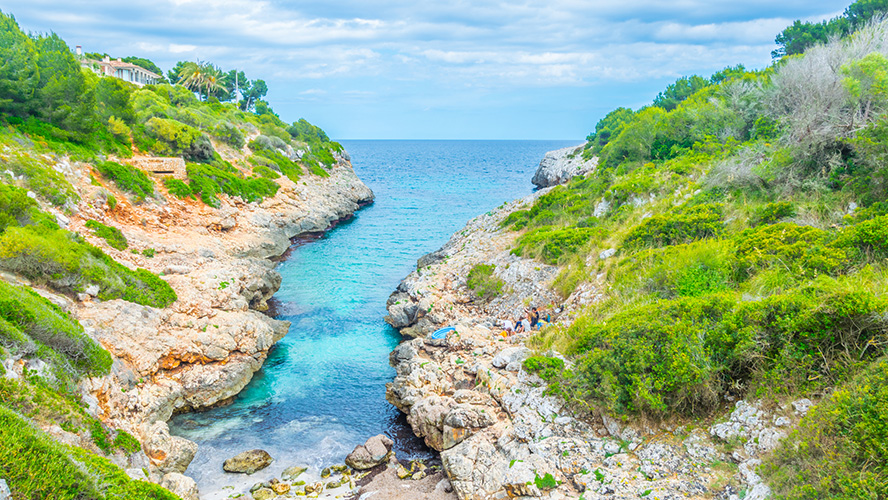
{"points": [[202, 77]]}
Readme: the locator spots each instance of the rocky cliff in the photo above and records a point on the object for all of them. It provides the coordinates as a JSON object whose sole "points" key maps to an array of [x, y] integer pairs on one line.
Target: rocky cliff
{"points": [[501, 436], [206, 346], [561, 165]]}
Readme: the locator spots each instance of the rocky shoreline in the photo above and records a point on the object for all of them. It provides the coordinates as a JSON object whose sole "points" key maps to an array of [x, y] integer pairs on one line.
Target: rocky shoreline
{"points": [[501, 436], [204, 348]]}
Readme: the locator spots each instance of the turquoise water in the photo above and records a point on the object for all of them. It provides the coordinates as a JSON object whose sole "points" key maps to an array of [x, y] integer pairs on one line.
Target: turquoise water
{"points": [[322, 389]]}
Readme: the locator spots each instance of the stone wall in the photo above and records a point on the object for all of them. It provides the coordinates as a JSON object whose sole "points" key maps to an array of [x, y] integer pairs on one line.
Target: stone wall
{"points": [[174, 166]]}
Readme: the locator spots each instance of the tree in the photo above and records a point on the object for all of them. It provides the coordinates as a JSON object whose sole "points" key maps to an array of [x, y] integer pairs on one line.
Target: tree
{"points": [[19, 74], [862, 11], [63, 99], [683, 88], [252, 93]]}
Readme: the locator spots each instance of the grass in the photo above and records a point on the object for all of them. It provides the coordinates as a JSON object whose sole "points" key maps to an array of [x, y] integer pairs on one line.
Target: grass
{"points": [[66, 262], [35, 466], [31, 324]]}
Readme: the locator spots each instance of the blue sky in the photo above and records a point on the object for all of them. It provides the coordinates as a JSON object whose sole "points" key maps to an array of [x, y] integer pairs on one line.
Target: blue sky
{"points": [[456, 69]]}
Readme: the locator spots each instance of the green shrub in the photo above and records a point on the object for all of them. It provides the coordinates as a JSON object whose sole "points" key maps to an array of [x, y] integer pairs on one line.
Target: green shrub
{"points": [[35, 466], [681, 225], [149, 253], [177, 188], [801, 250], [263, 171], [315, 168], [207, 181], [771, 213], [41, 177], [550, 244], [112, 202], [126, 442], [685, 354], [40, 322], [547, 368], [482, 281], [230, 134], [113, 236], [839, 449], [176, 138], [871, 235], [99, 436], [69, 264], [127, 178]]}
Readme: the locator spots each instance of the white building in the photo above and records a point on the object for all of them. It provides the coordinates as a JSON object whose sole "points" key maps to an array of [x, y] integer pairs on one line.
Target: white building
{"points": [[125, 71]]}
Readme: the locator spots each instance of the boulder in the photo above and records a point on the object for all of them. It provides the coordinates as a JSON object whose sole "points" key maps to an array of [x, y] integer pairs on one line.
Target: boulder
{"points": [[291, 473], [181, 485], [559, 166], [248, 462], [371, 453], [264, 494]]}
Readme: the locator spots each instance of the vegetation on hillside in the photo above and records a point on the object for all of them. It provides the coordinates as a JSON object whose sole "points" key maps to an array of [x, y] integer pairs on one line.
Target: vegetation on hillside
{"points": [[53, 113], [749, 213]]}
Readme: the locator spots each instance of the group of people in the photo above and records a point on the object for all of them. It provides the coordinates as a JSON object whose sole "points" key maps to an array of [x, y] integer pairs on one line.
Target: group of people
{"points": [[528, 322]]}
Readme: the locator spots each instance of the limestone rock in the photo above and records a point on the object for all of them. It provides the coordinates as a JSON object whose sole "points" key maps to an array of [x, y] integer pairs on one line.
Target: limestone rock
{"points": [[559, 166], [371, 453], [248, 462], [167, 453], [264, 494], [291, 473], [181, 485]]}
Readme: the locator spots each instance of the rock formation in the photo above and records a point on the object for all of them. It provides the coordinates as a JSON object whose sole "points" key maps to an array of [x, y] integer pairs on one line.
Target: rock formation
{"points": [[559, 166], [205, 347]]}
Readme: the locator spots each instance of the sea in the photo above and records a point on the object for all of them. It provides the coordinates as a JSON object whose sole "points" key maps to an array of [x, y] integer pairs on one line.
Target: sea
{"points": [[321, 391]]}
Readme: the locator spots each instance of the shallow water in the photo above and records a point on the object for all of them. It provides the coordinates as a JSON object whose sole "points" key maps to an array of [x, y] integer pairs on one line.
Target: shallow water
{"points": [[322, 390]]}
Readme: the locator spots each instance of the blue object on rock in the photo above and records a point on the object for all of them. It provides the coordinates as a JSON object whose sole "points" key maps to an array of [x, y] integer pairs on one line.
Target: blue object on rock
{"points": [[442, 333]]}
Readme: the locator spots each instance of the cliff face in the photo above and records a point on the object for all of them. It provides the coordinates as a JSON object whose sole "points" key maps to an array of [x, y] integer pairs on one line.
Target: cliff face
{"points": [[561, 165], [206, 346]]}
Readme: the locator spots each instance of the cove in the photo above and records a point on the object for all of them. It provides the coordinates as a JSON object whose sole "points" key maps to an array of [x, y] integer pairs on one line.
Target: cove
{"points": [[322, 389]]}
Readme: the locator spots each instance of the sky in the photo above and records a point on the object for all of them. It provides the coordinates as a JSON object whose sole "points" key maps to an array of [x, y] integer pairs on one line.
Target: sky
{"points": [[452, 69]]}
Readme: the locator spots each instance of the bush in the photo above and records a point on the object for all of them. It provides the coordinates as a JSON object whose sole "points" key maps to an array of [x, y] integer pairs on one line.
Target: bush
{"points": [[127, 178], [69, 264], [685, 354], [550, 244], [35, 466], [230, 134], [801, 250], [41, 178], [838, 450], [482, 281], [111, 235], [682, 225], [42, 323], [208, 181], [177, 188], [771, 213], [263, 171]]}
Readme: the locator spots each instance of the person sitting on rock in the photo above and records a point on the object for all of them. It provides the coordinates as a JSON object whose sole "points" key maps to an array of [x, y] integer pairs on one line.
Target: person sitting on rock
{"points": [[534, 319], [508, 327], [519, 325]]}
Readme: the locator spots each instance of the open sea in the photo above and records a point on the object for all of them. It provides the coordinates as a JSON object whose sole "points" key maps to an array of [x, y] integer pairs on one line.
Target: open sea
{"points": [[322, 390]]}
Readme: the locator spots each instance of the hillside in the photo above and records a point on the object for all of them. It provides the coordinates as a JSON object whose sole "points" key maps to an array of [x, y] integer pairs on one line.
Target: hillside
{"points": [[729, 246], [126, 295]]}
